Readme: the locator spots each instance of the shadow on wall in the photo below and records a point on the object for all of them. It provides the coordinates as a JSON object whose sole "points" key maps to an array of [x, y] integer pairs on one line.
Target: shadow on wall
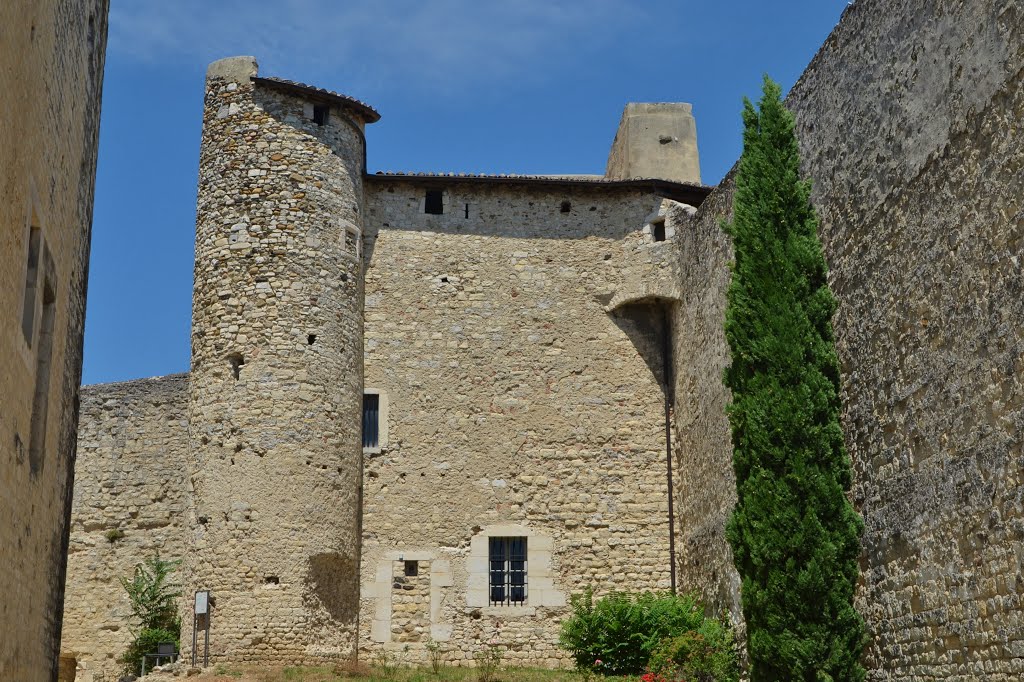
{"points": [[329, 587], [644, 324]]}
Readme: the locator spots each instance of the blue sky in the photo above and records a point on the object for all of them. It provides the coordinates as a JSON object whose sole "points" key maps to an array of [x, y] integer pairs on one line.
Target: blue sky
{"points": [[516, 86]]}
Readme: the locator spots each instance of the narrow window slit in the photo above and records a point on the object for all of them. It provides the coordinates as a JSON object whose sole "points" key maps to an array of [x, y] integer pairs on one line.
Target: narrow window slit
{"points": [[320, 114], [236, 361], [412, 568], [44, 352], [28, 313]]}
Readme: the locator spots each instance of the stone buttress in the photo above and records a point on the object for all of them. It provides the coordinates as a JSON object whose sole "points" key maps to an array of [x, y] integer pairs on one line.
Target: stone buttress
{"points": [[277, 373]]}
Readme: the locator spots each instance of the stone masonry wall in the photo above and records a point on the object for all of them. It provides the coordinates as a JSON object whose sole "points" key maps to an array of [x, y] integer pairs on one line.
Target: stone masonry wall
{"points": [[276, 381], [909, 125], [129, 505], [703, 481], [517, 405], [51, 74]]}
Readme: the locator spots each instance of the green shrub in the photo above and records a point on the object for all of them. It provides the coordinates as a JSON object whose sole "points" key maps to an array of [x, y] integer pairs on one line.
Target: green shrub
{"points": [[616, 634], [152, 594], [707, 654], [145, 643]]}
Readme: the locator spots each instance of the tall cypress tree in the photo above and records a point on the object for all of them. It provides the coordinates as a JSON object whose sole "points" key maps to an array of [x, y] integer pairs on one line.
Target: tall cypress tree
{"points": [[794, 534]]}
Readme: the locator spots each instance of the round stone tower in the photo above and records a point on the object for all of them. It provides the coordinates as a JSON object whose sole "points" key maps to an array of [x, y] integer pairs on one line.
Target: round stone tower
{"points": [[277, 368]]}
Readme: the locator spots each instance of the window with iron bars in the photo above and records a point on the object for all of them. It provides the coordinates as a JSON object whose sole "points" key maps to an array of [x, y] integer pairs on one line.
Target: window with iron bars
{"points": [[507, 575]]}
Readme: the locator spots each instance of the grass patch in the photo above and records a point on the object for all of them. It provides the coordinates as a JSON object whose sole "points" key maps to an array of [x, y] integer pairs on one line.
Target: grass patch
{"points": [[348, 673]]}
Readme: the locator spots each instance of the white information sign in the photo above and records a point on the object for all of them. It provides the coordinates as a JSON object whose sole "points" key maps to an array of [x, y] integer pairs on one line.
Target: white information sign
{"points": [[202, 602]]}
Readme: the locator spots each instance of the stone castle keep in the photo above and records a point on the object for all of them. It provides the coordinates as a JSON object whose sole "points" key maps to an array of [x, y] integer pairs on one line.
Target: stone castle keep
{"points": [[431, 407], [446, 361]]}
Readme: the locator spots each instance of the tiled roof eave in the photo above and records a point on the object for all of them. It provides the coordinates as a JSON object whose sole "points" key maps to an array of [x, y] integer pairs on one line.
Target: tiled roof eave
{"points": [[689, 193], [368, 113]]}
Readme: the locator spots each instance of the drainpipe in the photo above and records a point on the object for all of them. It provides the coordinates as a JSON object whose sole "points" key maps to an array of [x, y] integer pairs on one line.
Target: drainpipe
{"points": [[666, 354]]}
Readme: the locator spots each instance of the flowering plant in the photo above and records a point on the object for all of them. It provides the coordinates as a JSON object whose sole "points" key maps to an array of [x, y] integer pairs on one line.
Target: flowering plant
{"points": [[652, 677], [488, 660]]}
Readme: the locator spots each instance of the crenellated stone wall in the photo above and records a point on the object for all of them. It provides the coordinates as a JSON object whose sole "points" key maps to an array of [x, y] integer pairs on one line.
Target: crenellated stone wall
{"points": [[909, 126], [51, 77], [129, 506]]}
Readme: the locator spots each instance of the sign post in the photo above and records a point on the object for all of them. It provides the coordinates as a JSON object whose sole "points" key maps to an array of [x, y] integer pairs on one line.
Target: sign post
{"points": [[201, 618]]}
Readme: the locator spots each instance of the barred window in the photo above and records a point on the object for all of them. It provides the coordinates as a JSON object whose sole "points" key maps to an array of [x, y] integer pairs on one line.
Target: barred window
{"points": [[507, 575]]}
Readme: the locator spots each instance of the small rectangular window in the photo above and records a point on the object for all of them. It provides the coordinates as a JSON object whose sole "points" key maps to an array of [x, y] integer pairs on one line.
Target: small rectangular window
{"points": [[434, 203], [507, 571], [371, 420], [412, 568], [320, 114]]}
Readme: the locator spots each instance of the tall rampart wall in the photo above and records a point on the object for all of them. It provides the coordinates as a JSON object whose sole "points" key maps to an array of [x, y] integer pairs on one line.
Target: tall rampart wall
{"points": [[129, 505], [909, 125]]}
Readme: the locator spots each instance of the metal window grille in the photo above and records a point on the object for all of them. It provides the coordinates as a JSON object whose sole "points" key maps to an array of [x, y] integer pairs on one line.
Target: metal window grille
{"points": [[371, 420], [507, 575]]}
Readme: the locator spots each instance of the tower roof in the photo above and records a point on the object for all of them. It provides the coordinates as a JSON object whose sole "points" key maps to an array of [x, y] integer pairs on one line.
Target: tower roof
{"points": [[368, 113]]}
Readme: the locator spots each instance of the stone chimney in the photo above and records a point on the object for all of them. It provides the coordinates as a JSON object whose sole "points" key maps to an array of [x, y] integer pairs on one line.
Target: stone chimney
{"points": [[656, 140]]}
